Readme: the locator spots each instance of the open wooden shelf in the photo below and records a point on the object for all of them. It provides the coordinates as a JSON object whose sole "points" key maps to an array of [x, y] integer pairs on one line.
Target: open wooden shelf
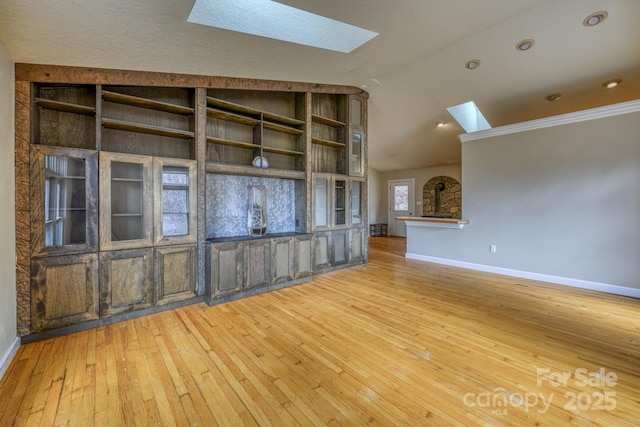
{"points": [[67, 107], [231, 117], [136, 101], [225, 110], [327, 143], [326, 121], [149, 129], [222, 141], [230, 106], [280, 128], [282, 119], [276, 150], [231, 169]]}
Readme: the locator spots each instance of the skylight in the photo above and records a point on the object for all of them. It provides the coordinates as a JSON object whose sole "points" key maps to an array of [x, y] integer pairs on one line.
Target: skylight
{"points": [[274, 20], [469, 117]]}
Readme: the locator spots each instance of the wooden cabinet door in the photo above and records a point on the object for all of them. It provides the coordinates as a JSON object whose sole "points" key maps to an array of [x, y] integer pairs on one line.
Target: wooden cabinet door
{"points": [[321, 201], [126, 201], [322, 250], [258, 263], [126, 281], [303, 256], [64, 290], [356, 244], [64, 200], [175, 201], [175, 273], [225, 268], [339, 247], [282, 259]]}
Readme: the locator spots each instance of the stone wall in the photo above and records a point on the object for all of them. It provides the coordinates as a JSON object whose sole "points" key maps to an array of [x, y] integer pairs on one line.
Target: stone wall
{"points": [[449, 203]]}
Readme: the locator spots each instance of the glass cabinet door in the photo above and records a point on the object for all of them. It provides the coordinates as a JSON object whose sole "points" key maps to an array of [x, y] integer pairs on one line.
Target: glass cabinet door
{"points": [[175, 211], [356, 158], [320, 201], [356, 202], [357, 135], [126, 216], [64, 200], [340, 206]]}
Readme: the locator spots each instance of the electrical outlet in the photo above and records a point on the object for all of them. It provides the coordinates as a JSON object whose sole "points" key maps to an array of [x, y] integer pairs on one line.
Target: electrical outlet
{"points": [[493, 248]]}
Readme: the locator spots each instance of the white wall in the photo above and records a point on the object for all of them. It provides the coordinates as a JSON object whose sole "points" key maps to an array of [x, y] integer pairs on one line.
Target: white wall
{"points": [[8, 335], [375, 192], [421, 177], [563, 201]]}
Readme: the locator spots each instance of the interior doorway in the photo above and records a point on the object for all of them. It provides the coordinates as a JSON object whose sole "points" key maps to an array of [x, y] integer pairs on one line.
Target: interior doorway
{"points": [[401, 203]]}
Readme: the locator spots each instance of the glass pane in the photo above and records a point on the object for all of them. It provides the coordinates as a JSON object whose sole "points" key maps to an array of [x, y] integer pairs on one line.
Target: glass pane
{"points": [[175, 176], [356, 209], [126, 201], [401, 198], [175, 224], [321, 202], [127, 227], [64, 201], [356, 153], [341, 215], [356, 111], [174, 201]]}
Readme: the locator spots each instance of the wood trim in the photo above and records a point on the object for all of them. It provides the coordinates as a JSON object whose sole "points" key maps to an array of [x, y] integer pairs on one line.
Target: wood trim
{"points": [[23, 206], [562, 119], [86, 75]]}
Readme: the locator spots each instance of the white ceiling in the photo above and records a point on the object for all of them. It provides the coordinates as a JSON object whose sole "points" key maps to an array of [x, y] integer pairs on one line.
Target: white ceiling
{"points": [[413, 70]]}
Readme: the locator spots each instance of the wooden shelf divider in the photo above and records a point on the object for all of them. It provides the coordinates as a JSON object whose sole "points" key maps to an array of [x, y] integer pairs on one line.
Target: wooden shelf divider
{"points": [[224, 115], [67, 107], [280, 128], [327, 143], [222, 141], [230, 106], [326, 121], [149, 129], [281, 151], [136, 101]]}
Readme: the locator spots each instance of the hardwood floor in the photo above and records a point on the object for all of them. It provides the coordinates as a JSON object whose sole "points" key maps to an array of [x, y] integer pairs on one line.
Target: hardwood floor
{"points": [[393, 342]]}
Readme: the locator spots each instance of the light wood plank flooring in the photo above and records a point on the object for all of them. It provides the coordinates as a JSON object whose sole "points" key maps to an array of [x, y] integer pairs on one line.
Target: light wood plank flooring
{"points": [[394, 342]]}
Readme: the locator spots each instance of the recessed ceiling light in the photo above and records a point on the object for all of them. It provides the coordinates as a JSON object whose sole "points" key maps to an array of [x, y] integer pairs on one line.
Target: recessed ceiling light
{"points": [[439, 124], [553, 97], [595, 19], [525, 44], [611, 83], [473, 64]]}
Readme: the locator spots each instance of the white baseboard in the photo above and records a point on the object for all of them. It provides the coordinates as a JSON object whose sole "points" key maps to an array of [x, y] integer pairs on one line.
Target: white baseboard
{"points": [[584, 284], [8, 356]]}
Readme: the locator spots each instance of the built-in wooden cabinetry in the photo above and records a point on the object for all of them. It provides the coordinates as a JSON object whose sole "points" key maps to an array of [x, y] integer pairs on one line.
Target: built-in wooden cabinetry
{"points": [[132, 190]]}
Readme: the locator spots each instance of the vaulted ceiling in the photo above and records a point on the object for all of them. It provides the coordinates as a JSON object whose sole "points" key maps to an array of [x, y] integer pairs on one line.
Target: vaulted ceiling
{"points": [[413, 69]]}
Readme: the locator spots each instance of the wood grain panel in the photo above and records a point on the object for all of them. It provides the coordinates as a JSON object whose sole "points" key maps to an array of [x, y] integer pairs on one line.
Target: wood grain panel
{"points": [[64, 290], [258, 263], [23, 206], [303, 252], [282, 259], [126, 281], [175, 273], [322, 250], [225, 268], [85, 75]]}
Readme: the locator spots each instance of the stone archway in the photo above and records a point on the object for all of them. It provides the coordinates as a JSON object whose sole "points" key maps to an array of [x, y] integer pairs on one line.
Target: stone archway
{"points": [[442, 197]]}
